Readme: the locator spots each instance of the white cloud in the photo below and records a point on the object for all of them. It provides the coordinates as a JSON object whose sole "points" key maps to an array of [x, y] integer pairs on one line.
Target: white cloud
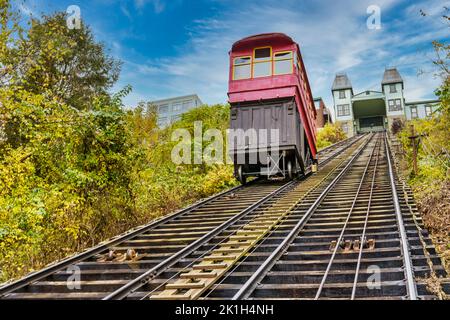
{"points": [[125, 11], [158, 5], [432, 7], [333, 37], [420, 86]]}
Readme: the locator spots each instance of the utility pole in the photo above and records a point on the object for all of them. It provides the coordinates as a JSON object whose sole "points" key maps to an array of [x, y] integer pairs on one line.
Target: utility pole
{"points": [[415, 145]]}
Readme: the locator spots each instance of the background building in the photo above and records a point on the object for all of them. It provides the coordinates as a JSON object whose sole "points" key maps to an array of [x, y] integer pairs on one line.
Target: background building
{"points": [[171, 109], [421, 109], [323, 114], [375, 110]]}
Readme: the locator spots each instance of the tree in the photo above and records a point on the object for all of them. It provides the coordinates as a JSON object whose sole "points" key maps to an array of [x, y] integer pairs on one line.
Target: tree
{"points": [[65, 150], [67, 62], [142, 122], [437, 127], [442, 63], [10, 33]]}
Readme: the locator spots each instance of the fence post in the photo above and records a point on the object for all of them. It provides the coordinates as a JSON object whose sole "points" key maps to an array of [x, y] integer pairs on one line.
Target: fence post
{"points": [[413, 138]]}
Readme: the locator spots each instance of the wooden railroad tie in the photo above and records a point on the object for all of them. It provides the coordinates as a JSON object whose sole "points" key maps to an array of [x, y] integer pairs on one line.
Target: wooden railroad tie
{"points": [[195, 280]]}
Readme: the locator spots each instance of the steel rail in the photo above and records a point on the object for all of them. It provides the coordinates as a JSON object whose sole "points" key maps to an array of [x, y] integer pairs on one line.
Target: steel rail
{"points": [[192, 286], [363, 235], [248, 287], [38, 275], [409, 274], [193, 262], [355, 282], [348, 142], [344, 227], [345, 144], [140, 281], [11, 286], [313, 189]]}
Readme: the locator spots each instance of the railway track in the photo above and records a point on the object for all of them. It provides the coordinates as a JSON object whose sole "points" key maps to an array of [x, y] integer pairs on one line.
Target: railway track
{"points": [[111, 268], [354, 238], [351, 231], [220, 254]]}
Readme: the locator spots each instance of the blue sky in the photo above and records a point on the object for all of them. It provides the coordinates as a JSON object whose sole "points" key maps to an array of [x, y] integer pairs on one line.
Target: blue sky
{"points": [[178, 47]]}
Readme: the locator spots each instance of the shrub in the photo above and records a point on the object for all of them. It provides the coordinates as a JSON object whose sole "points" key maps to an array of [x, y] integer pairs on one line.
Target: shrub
{"points": [[329, 134], [397, 126]]}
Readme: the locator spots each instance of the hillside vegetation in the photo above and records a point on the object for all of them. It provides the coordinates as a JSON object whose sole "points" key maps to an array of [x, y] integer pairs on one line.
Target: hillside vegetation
{"points": [[431, 184], [75, 167]]}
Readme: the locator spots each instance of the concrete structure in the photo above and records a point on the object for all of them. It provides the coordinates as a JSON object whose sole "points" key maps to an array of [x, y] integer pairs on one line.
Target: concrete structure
{"points": [[374, 110], [323, 114], [171, 109]]}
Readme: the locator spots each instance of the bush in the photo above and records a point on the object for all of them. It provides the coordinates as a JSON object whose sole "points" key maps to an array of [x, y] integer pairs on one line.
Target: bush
{"points": [[433, 154], [162, 185], [329, 134], [90, 182], [397, 126]]}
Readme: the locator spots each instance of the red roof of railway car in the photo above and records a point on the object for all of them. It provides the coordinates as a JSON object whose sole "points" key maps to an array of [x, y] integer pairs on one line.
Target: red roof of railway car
{"points": [[278, 39], [273, 85]]}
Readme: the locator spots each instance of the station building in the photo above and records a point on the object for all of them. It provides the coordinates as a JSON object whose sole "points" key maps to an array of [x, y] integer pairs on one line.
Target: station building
{"points": [[375, 110]]}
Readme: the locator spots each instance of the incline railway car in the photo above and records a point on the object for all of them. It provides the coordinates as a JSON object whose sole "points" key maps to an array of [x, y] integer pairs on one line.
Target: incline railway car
{"points": [[273, 129]]}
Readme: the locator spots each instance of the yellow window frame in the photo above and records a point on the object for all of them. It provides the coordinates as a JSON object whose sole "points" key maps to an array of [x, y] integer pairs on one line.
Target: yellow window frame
{"points": [[270, 59], [283, 59], [242, 64]]}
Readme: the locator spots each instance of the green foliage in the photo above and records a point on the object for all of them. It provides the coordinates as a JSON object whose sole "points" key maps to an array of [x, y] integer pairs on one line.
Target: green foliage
{"points": [[67, 62], [431, 185], [432, 182], [73, 178], [164, 186], [434, 146], [329, 134], [433, 158], [75, 168], [64, 175], [70, 178], [434, 143]]}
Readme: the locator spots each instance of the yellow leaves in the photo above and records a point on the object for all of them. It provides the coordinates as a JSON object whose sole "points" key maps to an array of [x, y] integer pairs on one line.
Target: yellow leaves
{"points": [[329, 134], [15, 170], [218, 178], [64, 174], [433, 156]]}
